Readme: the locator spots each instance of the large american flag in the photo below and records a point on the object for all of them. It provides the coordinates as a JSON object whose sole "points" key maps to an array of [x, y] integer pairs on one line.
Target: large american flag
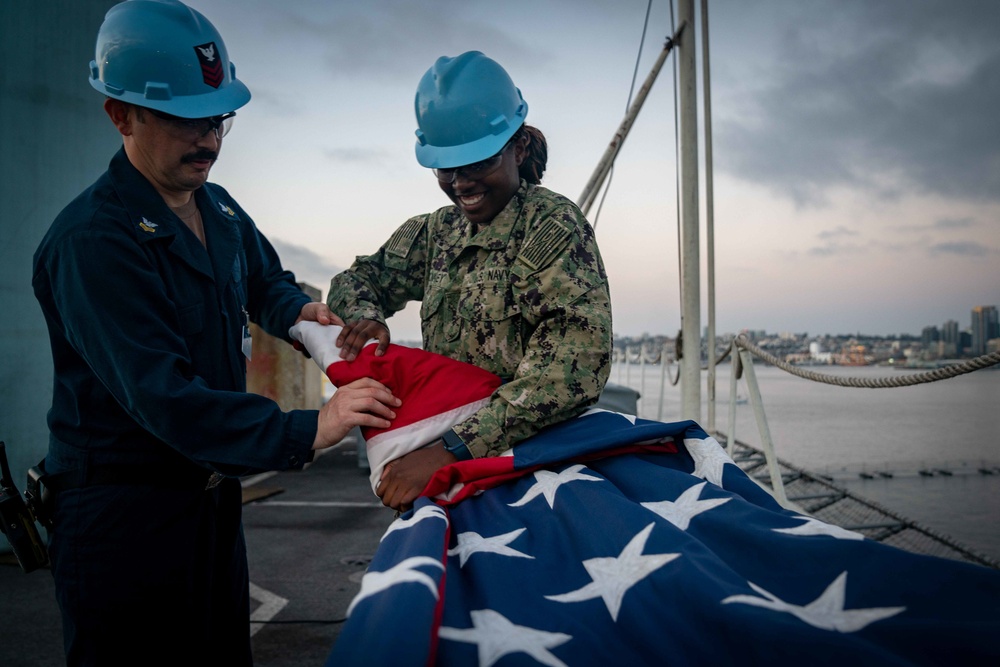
{"points": [[613, 540]]}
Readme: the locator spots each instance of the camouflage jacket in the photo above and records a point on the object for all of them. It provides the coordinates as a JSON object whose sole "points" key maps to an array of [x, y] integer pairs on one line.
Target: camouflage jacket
{"points": [[526, 297]]}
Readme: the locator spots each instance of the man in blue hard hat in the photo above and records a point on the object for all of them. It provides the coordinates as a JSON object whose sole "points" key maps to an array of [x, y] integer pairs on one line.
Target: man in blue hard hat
{"points": [[148, 282]]}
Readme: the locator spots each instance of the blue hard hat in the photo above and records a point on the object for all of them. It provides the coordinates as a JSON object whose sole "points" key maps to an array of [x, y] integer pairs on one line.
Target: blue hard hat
{"points": [[467, 109], [163, 55]]}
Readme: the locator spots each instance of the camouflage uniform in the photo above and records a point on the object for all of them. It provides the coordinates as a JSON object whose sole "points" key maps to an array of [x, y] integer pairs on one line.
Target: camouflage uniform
{"points": [[525, 298]]}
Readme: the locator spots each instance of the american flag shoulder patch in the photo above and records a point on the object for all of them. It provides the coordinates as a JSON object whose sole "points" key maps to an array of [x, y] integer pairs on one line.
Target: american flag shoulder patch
{"points": [[541, 247], [402, 239]]}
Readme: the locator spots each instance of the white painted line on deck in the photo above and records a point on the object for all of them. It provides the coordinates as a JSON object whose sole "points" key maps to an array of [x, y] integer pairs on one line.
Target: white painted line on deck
{"points": [[270, 605], [256, 479]]}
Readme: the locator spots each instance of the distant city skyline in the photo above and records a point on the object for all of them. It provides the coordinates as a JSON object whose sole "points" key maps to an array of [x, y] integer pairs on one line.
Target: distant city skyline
{"points": [[968, 328], [942, 327]]}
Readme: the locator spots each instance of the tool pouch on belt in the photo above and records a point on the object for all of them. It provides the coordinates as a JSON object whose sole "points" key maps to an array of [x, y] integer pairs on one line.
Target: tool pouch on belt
{"points": [[18, 523]]}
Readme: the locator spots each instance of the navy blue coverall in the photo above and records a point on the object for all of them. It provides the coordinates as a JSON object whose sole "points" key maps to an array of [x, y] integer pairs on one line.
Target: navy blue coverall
{"points": [[146, 327]]}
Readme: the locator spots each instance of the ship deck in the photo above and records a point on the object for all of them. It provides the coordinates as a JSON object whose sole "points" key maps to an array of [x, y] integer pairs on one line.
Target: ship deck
{"points": [[311, 534]]}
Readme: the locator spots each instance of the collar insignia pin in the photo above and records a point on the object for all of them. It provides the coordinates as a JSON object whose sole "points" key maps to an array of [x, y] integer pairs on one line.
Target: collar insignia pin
{"points": [[147, 226], [226, 209]]}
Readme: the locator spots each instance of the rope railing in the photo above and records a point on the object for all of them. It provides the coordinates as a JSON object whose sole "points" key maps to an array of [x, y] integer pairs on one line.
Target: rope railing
{"points": [[935, 375], [743, 350], [743, 363]]}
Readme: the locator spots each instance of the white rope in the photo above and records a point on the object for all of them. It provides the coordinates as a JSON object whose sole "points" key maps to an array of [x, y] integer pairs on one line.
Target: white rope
{"points": [[943, 373]]}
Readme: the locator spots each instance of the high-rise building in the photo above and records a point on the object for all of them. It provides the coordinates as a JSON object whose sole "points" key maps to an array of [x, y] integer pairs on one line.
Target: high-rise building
{"points": [[949, 332], [929, 336], [951, 344], [985, 326]]}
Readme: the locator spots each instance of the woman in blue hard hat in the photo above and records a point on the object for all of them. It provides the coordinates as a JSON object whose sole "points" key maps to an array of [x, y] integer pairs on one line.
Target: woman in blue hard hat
{"points": [[509, 276]]}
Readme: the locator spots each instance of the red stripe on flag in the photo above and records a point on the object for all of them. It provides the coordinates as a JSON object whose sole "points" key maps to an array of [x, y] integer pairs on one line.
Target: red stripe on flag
{"points": [[427, 384]]}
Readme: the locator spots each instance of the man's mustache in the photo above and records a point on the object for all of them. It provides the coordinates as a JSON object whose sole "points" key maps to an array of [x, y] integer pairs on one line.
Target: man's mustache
{"points": [[200, 155]]}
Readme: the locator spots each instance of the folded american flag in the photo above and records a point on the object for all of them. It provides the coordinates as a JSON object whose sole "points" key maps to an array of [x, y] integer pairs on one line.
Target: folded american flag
{"points": [[612, 540], [436, 392]]}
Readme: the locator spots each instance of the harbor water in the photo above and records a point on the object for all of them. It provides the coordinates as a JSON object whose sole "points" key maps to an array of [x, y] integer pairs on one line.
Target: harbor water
{"points": [[930, 452]]}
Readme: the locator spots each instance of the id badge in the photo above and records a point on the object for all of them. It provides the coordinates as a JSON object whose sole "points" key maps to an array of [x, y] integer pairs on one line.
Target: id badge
{"points": [[247, 343], [247, 339]]}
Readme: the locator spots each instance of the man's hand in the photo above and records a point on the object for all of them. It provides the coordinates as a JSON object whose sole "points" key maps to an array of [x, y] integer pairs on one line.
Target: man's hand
{"points": [[315, 311], [356, 334], [404, 479], [364, 402]]}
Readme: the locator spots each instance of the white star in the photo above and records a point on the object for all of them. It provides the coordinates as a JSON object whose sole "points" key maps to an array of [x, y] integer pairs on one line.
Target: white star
{"points": [[813, 526], [825, 612], [594, 411], [470, 543], [402, 572], [496, 637], [548, 483], [709, 458], [613, 577], [425, 512], [686, 507]]}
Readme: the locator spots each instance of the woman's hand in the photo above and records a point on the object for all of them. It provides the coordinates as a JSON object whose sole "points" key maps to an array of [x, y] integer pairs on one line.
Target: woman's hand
{"points": [[356, 334], [404, 479]]}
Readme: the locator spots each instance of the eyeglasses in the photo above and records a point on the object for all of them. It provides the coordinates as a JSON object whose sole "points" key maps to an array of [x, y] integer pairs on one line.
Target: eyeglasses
{"points": [[193, 129], [474, 171]]}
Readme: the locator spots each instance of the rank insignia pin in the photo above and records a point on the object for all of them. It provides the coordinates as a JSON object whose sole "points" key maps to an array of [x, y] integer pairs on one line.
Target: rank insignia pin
{"points": [[211, 66], [147, 226]]}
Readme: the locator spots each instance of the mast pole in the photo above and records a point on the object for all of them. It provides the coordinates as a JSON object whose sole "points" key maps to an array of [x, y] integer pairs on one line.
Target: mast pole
{"points": [[709, 215], [690, 265]]}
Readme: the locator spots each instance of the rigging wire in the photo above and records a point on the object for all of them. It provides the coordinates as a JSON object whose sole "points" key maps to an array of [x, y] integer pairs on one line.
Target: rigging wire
{"points": [[631, 91]]}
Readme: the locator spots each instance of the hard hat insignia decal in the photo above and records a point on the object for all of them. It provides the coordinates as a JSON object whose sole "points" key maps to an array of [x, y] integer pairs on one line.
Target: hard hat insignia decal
{"points": [[211, 65], [147, 226]]}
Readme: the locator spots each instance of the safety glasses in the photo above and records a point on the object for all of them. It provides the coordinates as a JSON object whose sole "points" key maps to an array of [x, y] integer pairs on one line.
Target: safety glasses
{"points": [[193, 129], [474, 171]]}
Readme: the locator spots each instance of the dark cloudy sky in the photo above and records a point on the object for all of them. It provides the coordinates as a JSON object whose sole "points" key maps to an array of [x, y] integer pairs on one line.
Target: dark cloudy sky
{"points": [[856, 145]]}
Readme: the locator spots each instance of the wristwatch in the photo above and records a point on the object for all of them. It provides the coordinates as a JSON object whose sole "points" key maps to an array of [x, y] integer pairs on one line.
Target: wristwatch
{"points": [[454, 444]]}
